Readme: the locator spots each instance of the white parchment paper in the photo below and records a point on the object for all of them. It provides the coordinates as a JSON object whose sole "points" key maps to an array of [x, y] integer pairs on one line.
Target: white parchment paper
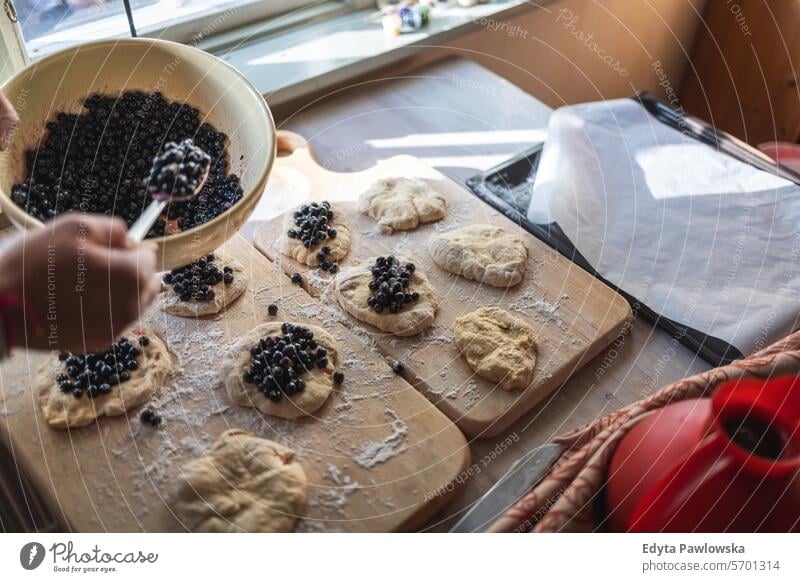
{"points": [[693, 233]]}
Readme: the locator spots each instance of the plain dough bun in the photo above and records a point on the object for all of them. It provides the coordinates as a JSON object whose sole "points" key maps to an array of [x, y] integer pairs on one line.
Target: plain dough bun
{"points": [[319, 382], [401, 203], [244, 484], [497, 346], [351, 287], [481, 252]]}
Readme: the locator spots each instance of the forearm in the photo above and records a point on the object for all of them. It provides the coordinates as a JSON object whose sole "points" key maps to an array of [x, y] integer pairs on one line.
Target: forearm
{"points": [[8, 120], [11, 309], [6, 109]]}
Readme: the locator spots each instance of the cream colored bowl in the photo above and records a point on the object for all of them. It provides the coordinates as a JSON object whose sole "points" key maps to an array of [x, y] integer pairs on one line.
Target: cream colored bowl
{"points": [[225, 98]]}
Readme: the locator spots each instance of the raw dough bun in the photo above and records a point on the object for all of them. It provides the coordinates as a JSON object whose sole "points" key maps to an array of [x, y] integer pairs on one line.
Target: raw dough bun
{"points": [[481, 252], [293, 247], [64, 410], [351, 286], [246, 483], [498, 346], [319, 382], [401, 203], [224, 294]]}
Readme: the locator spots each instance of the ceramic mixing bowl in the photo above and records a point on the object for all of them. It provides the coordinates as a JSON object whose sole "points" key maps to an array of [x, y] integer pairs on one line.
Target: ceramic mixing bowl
{"points": [[183, 74]]}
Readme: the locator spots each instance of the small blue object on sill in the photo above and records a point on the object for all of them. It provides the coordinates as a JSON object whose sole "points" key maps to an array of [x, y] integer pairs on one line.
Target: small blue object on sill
{"points": [[405, 17]]}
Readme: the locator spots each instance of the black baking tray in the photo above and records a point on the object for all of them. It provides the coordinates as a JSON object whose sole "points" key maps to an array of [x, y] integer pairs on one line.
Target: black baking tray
{"points": [[508, 187]]}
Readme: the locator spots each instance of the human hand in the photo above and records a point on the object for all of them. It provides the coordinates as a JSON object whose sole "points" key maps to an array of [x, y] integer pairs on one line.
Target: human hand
{"points": [[80, 281], [8, 121]]}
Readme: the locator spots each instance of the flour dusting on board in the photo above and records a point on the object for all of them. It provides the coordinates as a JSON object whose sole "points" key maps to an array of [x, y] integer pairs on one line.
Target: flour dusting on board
{"points": [[472, 393], [328, 313], [197, 384], [529, 301], [377, 452], [335, 496]]}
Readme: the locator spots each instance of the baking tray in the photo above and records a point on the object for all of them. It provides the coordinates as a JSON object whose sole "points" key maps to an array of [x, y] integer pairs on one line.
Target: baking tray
{"points": [[508, 188]]}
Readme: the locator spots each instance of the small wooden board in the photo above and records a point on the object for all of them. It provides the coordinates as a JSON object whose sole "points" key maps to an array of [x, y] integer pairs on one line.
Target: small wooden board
{"points": [[575, 315], [377, 455]]}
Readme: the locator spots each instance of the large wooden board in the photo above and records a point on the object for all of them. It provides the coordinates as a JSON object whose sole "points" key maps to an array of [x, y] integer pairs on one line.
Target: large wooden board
{"points": [[575, 316], [378, 456]]}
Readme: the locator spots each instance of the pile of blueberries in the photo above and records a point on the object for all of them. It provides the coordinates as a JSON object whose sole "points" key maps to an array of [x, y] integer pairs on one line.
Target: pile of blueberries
{"points": [[312, 228], [389, 285], [98, 161], [94, 374], [277, 362], [195, 281], [178, 171]]}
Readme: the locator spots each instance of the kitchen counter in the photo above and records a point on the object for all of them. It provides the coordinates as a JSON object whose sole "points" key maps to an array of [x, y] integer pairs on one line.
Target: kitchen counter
{"points": [[461, 119]]}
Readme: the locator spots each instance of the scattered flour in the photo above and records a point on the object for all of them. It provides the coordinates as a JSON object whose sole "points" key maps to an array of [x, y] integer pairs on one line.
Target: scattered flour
{"points": [[335, 497], [472, 394], [377, 452], [529, 301]]}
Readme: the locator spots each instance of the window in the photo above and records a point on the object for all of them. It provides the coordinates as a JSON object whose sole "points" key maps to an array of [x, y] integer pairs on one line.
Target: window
{"points": [[49, 25], [62, 22]]}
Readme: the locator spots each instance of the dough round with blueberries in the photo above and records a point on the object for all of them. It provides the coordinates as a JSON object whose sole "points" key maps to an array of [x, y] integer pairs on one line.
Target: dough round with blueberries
{"points": [[339, 246], [64, 410], [351, 287], [402, 203], [244, 484], [481, 252], [497, 346], [224, 293], [318, 381]]}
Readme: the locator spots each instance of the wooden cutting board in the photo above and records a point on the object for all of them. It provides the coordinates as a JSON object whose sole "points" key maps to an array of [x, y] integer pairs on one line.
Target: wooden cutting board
{"points": [[378, 455], [575, 315]]}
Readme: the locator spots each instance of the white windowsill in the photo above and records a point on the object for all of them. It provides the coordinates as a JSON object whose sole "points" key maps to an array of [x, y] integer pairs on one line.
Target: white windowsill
{"points": [[316, 56]]}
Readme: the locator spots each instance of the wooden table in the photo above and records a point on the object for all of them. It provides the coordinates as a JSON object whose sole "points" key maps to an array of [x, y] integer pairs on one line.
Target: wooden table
{"points": [[462, 119]]}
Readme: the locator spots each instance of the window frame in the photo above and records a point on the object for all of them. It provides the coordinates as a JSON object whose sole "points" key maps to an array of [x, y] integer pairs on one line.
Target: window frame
{"points": [[191, 30], [251, 20], [12, 45]]}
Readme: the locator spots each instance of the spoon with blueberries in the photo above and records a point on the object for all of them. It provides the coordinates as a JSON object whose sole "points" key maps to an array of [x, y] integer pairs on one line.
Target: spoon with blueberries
{"points": [[178, 173]]}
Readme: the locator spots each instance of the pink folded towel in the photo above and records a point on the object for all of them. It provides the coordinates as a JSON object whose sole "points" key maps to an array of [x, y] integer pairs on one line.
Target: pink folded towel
{"points": [[565, 500]]}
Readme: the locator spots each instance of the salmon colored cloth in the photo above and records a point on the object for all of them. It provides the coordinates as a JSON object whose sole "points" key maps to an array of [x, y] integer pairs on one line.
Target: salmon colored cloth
{"points": [[566, 499]]}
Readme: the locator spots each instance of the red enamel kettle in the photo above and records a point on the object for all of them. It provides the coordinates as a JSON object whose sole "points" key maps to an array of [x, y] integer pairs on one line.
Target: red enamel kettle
{"points": [[730, 463]]}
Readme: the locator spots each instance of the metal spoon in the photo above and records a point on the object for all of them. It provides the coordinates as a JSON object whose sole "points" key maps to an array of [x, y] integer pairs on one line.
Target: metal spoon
{"points": [[138, 231]]}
